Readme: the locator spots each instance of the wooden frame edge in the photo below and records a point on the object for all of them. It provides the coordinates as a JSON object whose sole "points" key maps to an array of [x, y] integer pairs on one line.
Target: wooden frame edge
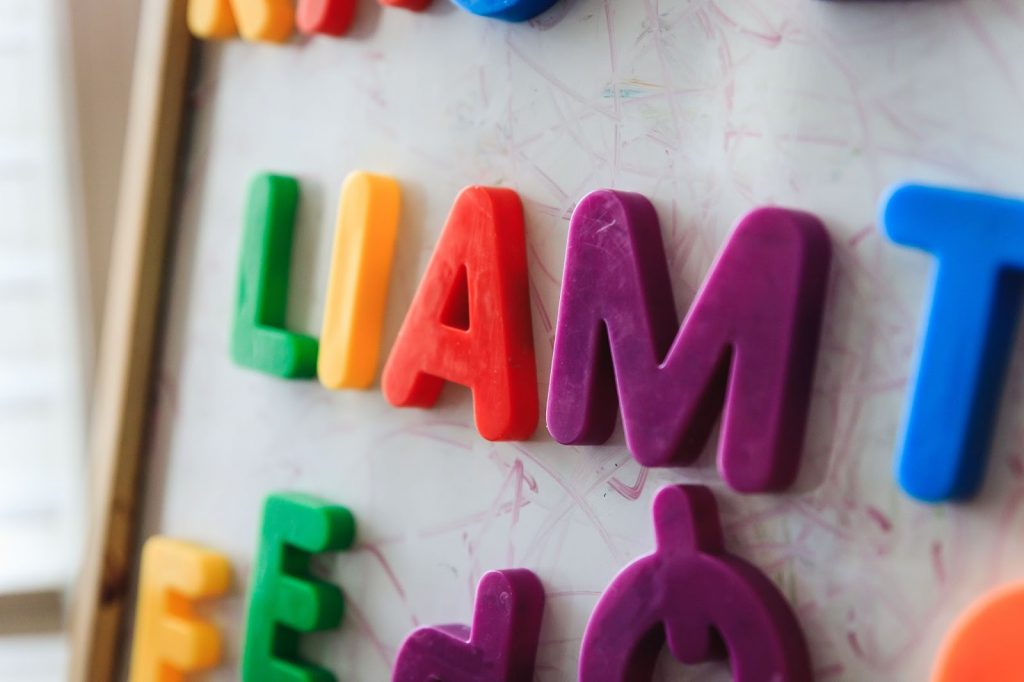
{"points": [[125, 372]]}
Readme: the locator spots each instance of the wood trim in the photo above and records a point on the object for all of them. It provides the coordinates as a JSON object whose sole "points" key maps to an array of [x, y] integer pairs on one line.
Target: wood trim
{"points": [[124, 378]]}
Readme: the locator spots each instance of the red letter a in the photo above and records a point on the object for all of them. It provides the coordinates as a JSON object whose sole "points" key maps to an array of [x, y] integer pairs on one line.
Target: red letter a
{"points": [[470, 319]]}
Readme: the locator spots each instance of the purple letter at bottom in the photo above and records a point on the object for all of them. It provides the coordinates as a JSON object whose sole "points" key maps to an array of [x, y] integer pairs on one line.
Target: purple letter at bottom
{"points": [[698, 598], [500, 647]]}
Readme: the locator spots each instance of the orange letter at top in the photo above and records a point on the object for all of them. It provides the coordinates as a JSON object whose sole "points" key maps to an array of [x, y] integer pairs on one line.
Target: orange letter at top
{"points": [[257, 20]]}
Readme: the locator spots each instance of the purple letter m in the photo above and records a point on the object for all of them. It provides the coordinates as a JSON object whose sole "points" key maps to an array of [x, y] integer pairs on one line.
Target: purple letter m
{"points": [[746, 349]]}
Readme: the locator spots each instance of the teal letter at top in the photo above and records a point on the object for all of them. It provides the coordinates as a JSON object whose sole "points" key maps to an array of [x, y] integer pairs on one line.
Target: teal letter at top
{"points": [[259, 339]]}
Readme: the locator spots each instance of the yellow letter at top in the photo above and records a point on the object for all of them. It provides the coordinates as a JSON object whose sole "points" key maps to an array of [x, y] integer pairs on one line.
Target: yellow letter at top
{"points": [[170, 640], [357, 289], [257, 20]]}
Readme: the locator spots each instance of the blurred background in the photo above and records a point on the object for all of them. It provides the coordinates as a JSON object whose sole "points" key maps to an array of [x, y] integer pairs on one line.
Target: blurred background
{"points": [[65, 68]]}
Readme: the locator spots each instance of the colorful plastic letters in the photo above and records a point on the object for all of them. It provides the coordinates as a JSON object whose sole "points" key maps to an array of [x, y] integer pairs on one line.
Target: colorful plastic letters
{"points": [[978, 241], [258, 339], [750, 339], [696, 597], [285, 600], [469, 322], [364, 244], [170, 640], [263, 20], [507, 10], [275, 20], [500, 647], [984, 644], [328, 17]]}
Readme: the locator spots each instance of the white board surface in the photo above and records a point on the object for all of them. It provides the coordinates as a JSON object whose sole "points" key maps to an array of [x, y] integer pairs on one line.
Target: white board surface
{"points": [[710, 109]]}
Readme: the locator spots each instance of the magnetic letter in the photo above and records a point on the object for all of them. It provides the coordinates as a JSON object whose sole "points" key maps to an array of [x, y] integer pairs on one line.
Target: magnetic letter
{"points": [[285, 599], [412, 5], [357, 290], [749, 340], [506, 10], [984, 644], [259, 340], [470, 319], [170, 640], [329, 17], [696, 597], [256, 20], [978, 243], [500, 647]]}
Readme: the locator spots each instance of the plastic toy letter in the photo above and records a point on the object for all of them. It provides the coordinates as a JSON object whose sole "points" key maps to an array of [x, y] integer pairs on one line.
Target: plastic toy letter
{"points": [[285, 600], [978, 241], [984, 644], [750, 340], [411, 5], [170, 640], [329, 17], [469, 322], [259, 340], [257, 20], [696, 596], [364, 245], [500, 647], [507, 10]]}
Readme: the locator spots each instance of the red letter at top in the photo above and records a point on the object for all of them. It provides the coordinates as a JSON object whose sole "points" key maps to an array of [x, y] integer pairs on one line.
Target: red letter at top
{"points": [[469, 322]]}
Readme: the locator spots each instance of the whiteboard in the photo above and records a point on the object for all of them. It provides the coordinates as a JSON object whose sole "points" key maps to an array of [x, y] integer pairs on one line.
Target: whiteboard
{"points": [[708, 108]]}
